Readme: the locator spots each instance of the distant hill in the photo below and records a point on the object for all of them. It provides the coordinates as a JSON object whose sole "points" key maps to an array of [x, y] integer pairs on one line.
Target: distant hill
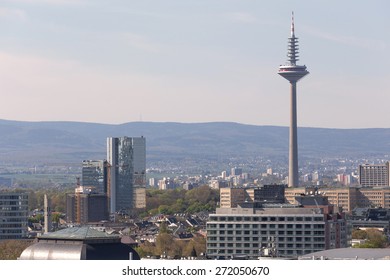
{"points": [[75, 141]]}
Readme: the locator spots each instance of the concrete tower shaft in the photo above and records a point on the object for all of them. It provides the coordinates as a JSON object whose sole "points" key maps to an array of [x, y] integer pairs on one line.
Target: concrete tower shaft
{"points": [[293, 73]]}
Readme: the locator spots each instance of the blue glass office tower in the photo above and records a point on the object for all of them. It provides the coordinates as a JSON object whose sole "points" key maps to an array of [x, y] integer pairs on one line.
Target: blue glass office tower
{"points": [[127, 159]]}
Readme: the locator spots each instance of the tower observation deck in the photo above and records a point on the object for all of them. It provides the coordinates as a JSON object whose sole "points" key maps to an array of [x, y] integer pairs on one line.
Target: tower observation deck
{"points": [[293, 73]]}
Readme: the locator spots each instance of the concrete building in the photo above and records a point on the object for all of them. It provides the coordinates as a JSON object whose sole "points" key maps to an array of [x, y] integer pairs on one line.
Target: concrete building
{"points": [[286, 231], [13, 215], [232, 196], [86, 206], [374, 175], [127, 158], [346, 197]]}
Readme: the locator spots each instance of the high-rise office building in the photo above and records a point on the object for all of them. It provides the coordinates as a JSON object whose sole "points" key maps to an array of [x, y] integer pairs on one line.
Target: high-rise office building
{"points": [[293, 73], [127, 159], [94, 173], [374, 175], [13, 215], [85, 205], [235, 171]]}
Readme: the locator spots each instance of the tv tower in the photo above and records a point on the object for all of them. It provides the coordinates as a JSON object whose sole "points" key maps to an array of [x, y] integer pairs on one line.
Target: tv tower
{"points": [[293, 73]]}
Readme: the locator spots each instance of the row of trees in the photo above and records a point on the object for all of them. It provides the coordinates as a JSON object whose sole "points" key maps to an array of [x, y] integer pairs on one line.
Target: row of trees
{"points": [[199, 199]]}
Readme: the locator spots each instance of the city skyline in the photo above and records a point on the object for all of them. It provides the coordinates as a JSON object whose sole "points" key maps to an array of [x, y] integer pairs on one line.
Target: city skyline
{"points": [[70, 60]]}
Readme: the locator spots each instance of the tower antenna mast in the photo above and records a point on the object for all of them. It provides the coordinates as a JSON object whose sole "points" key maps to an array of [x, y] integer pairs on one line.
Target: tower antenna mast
{"points": [[293, 73]]}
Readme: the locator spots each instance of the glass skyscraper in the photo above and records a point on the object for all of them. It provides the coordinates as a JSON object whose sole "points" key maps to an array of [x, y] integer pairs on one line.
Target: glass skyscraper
{"points": [[94, 174], [127, 159]]}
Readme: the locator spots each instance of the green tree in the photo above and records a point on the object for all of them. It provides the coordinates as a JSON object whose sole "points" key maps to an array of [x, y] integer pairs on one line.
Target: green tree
{"points": [[375, 239], [164, 244], [359, 234]]}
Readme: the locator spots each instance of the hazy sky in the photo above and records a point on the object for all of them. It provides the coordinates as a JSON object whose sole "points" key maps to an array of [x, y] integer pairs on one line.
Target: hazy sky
{"points": [[194, 61]]}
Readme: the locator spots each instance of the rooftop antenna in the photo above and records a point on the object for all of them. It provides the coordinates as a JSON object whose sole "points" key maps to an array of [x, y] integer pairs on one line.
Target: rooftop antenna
{"points": [[292, 25]]}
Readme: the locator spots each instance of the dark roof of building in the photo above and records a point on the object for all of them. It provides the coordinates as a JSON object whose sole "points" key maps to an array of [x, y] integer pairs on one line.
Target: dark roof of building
{"points": [[85, 234], [350, 254]]}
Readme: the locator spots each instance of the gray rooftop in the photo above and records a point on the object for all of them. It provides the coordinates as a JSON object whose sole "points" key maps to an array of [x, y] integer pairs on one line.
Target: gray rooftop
{"points": [[79, 233], [268, 211], [350, 254]]}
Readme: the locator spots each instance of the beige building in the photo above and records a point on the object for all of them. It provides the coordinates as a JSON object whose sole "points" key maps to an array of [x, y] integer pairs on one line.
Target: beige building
{"points": [[347, 198], [374, 175], [139, 198], [230, 197]]}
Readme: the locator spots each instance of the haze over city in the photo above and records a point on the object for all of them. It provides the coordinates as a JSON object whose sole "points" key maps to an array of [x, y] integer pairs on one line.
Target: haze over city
{"points": [[193, 61]]}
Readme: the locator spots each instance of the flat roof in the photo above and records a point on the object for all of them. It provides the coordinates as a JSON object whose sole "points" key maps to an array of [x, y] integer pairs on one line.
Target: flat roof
{"points": [[79, 233], [350, 254]]}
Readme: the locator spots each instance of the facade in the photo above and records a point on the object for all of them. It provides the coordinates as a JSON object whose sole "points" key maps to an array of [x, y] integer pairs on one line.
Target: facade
{"points": [[286, 232], [127, 158], [86, 206], [347, 198], [233, 196], [374, 175], [13, 215], [94, 173]]}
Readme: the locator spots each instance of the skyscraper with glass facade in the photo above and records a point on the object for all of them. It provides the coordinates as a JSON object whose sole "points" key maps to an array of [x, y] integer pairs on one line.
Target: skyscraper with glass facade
{"points": [[13, 215], [94, 173], [127, 159]]}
